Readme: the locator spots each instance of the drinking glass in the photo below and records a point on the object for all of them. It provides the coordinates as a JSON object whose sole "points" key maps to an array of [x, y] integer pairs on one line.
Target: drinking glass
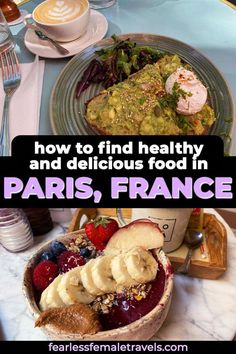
{"points": [[101, 4], [15, 231], [40, 220], [10, 10], [6, 39]]}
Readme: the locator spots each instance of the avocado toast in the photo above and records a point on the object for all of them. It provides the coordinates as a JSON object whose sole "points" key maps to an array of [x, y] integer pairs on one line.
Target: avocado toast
{"points": [[140, 105]]}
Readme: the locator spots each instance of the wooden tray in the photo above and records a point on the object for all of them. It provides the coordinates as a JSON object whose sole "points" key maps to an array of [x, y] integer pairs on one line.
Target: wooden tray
{"points": [[209, 266]]}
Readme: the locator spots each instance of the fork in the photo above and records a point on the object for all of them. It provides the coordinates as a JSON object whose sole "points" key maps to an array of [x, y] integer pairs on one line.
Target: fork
{"points": [[11, 81]]}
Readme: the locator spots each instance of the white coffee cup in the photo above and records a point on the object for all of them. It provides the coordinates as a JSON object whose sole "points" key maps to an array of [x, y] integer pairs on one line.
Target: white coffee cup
{"points": [[172, 222], [62, 20]]}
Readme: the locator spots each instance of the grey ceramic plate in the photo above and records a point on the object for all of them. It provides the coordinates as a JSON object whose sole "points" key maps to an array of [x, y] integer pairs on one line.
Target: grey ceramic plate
{"points": [[67, 112]]}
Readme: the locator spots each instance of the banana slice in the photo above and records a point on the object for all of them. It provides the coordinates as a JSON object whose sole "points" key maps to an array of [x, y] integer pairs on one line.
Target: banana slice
{"points": [[141, 265], [71, 290], [43, 304], [102, 274], [120, 272], [53, 299], [87, 279]]}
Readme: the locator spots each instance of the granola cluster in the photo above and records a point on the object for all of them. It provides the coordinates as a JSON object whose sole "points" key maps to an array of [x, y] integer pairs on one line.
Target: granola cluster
{"points": [[103, 304], [81, 241]]}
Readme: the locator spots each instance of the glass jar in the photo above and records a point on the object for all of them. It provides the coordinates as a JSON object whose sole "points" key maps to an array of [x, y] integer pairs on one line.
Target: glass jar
{"points": [[15, 231], [40, 220], [101, 4], [10, 10]]}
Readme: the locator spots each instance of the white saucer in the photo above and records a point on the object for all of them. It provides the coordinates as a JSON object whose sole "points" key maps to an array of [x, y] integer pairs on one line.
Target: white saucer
{"points": [[23, 13], [96, 31]]}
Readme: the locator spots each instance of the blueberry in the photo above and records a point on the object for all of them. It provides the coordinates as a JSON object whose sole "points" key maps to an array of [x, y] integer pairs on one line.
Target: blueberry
{"points": [[85, 252], [57, 248], [47, 256]]}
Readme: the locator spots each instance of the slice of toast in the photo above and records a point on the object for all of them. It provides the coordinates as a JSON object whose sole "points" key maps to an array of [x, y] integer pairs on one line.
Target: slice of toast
{"points": [[132, 107]]}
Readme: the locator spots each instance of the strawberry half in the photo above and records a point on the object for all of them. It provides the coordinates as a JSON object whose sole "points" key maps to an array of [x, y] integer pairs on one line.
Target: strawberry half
{"points": [[100, 231]]}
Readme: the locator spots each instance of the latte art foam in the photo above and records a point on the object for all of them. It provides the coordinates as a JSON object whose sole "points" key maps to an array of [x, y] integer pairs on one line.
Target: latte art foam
{"points": [[59, 11]]}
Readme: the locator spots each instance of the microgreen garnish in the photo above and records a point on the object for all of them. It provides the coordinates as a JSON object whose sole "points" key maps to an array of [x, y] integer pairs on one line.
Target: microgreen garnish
{"points": [[171, 100]]}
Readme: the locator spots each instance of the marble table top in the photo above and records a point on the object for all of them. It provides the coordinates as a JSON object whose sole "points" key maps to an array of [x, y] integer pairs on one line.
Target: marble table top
{"points": [[200, 309]]}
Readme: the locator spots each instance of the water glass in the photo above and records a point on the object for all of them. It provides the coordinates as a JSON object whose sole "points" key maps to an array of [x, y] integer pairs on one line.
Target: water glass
{"points": [[6, 39], [15, 231], [101, 4]]}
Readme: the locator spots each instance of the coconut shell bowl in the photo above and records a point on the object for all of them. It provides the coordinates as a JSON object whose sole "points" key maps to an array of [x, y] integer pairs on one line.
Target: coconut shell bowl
{"points": [[142, 328]]}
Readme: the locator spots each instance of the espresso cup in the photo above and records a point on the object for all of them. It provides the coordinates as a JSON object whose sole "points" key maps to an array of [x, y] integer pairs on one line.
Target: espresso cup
{"points": [[62, 20], [172, 222]]}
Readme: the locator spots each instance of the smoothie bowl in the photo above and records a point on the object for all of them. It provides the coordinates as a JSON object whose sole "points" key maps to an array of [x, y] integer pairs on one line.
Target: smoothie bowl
{"points": [[101, 283]]}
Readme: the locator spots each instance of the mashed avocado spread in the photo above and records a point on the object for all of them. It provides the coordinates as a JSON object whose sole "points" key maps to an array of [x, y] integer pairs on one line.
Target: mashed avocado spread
{"points": [[140, 105]]}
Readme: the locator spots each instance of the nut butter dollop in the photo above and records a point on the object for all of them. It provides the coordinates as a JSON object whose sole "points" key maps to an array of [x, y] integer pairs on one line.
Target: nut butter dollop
{"points": [[78, 318]]}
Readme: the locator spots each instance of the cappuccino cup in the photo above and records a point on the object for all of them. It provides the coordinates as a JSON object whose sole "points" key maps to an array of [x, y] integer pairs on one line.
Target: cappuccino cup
{"points": [[172, 222], [62, 20]]}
